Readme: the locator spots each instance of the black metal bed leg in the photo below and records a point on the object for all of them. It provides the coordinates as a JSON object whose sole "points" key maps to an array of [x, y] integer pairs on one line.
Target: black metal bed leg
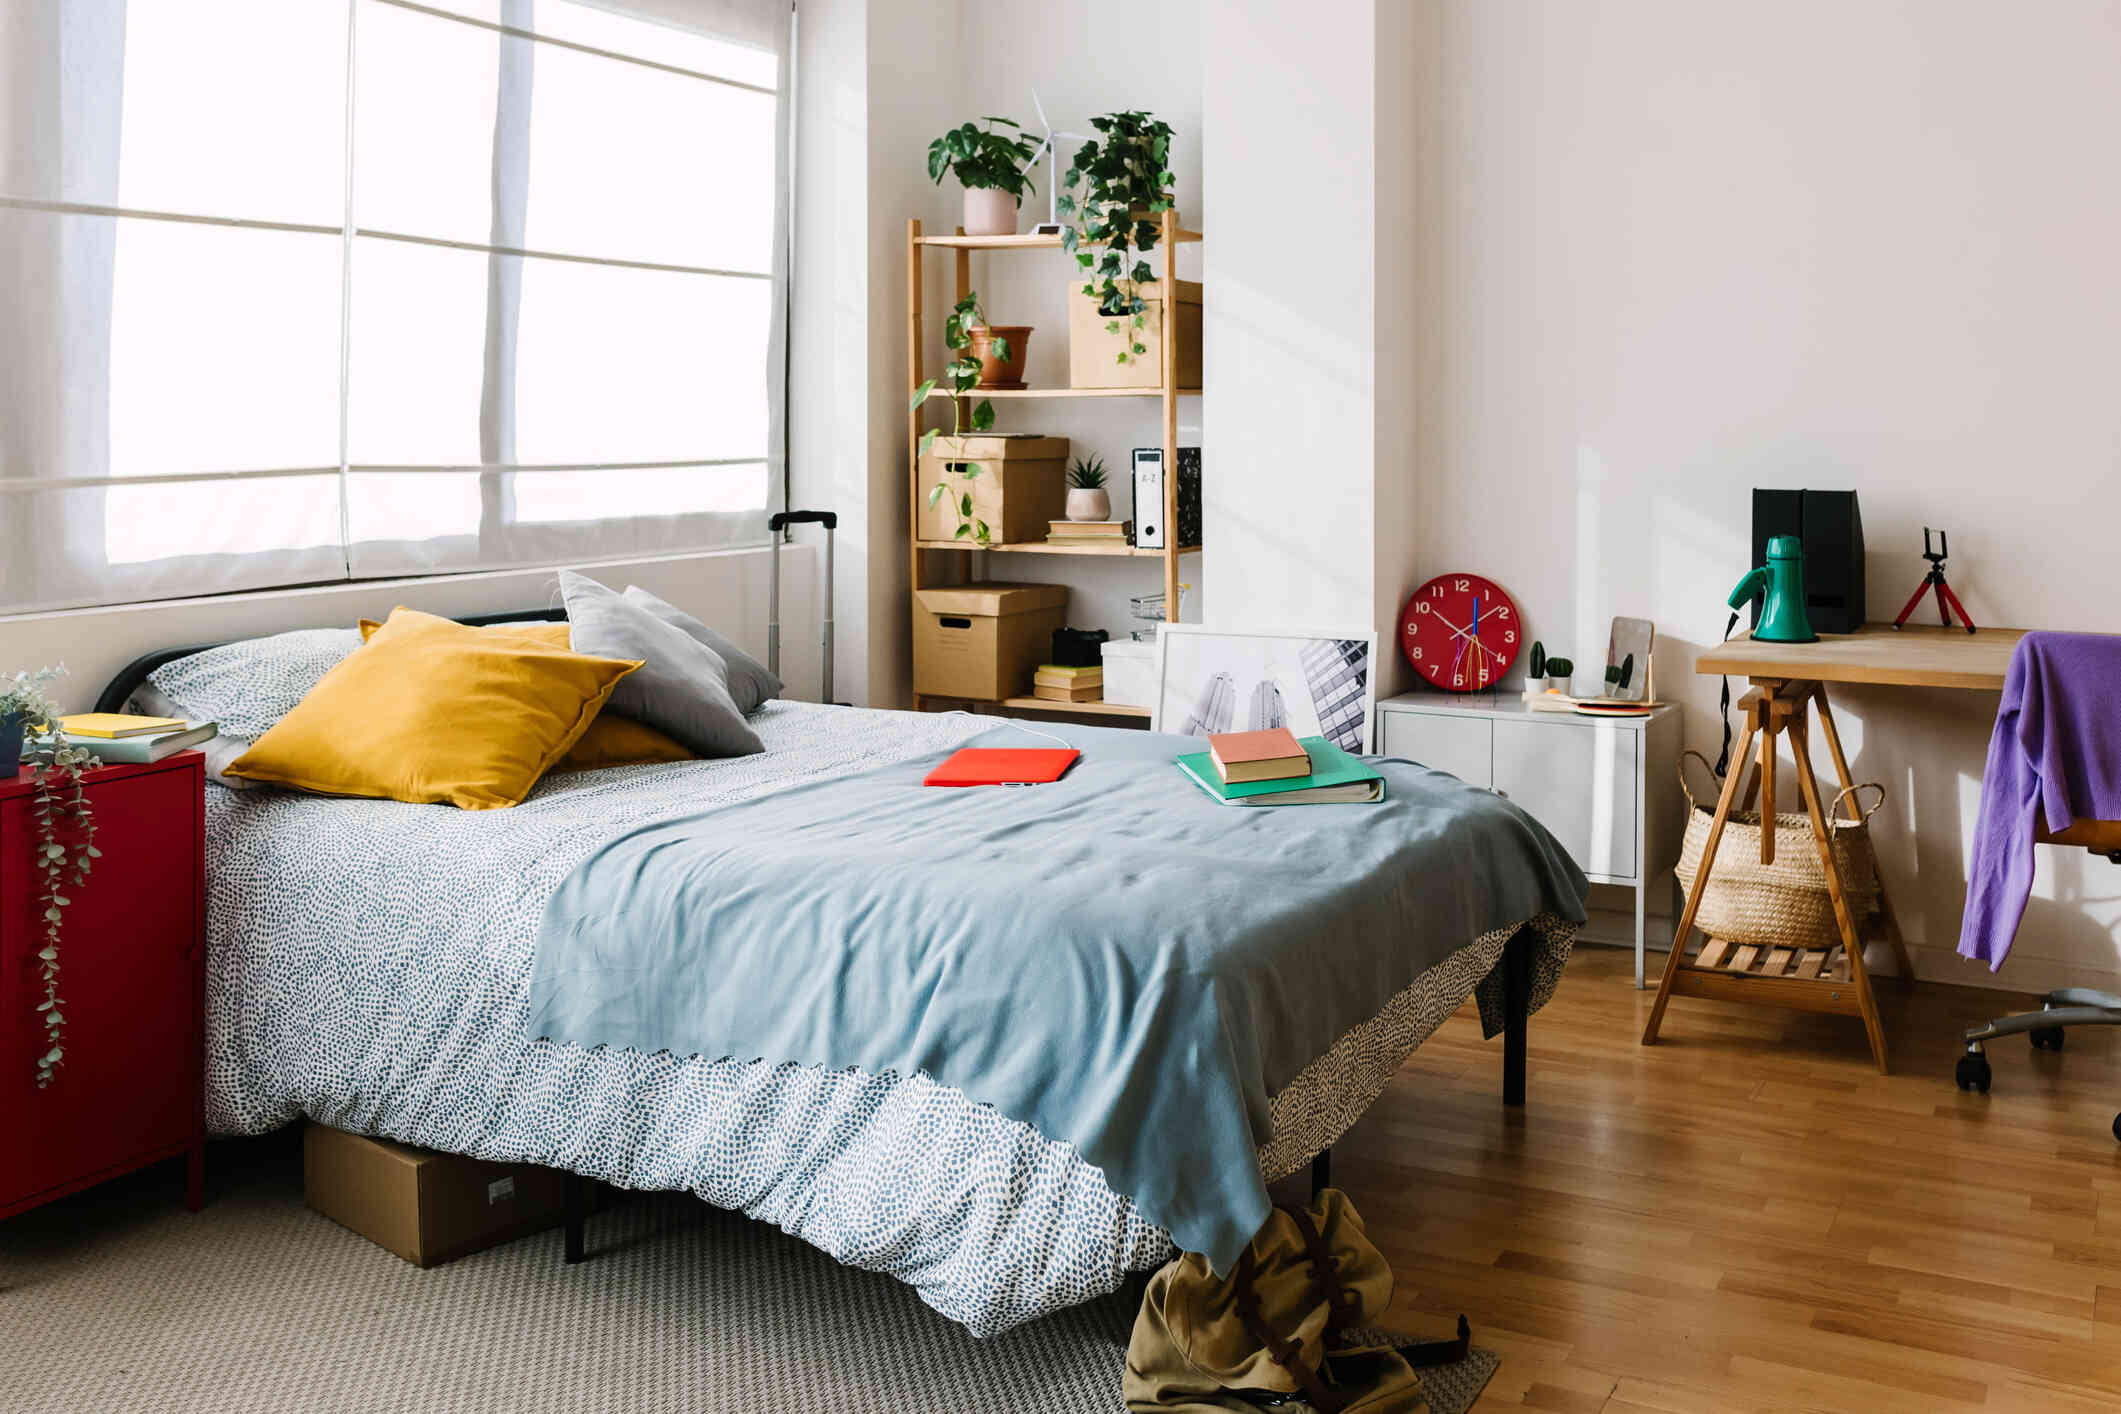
{"points": [[575, 1208], [1516, 1012], [1322, 1171]]}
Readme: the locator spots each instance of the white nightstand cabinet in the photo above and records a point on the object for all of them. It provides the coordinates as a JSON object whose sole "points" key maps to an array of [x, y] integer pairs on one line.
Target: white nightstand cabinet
{"points": [[1607, 788]]}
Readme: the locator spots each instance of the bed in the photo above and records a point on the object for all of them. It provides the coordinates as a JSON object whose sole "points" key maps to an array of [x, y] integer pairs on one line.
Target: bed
{"points": [[370, 967]]}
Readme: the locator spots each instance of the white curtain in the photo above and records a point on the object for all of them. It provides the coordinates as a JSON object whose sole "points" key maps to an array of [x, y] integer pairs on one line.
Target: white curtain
{"points": [[298, 290]]}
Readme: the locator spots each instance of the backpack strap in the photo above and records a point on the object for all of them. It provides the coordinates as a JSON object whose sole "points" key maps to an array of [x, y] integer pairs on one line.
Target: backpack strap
{"points": [[1343, 1302], [1286, 1354]]}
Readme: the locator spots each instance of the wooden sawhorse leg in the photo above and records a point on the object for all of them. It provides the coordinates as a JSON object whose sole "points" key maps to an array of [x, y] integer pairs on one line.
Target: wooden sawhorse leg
{"points": [[1832, 734], [1773, 707]]}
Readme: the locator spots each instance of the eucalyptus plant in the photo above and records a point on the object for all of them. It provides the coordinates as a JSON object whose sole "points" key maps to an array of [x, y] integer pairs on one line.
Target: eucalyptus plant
{"points": [[1122, 179], [963, 371], [984, 158], [65, 845]]}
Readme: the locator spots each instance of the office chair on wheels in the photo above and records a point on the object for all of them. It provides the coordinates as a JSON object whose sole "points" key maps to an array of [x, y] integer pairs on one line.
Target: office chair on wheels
{"points": [[2069, 1006]]}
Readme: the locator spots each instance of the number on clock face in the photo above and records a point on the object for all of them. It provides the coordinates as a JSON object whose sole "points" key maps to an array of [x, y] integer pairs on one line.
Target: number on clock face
{"points": [[1461, 632]]}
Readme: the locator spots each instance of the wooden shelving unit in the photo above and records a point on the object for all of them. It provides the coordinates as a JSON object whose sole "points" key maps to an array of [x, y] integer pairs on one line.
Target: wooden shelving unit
{"points": [[968, 563]]}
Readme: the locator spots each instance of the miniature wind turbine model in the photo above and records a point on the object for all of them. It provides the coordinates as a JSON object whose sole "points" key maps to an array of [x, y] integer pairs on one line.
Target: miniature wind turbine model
{"points": [[1049, 149]]}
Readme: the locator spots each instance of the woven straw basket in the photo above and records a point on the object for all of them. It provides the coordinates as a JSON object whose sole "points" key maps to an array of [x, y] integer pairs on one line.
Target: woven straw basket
{"points": [[1784, 904]]}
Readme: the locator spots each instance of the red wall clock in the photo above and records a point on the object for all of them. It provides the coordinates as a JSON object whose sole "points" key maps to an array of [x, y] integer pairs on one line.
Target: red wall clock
{"points": [[1461, 632]]}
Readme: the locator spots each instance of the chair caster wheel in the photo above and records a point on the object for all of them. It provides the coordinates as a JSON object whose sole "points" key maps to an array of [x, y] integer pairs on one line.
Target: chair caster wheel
{"points": [[2046, 1038], [1973, 1073]]}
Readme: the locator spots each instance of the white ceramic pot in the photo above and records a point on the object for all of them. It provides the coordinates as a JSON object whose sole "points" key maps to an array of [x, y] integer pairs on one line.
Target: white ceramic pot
{"points": [[1560, 685], [1089, 503], [989, 211]]}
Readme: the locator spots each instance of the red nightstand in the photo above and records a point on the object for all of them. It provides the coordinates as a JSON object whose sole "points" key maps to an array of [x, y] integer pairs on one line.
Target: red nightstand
{"points": [[132, 961]]}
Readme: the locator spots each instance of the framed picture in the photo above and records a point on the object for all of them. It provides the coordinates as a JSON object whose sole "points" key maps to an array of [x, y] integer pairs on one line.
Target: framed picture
{"points": [[1315, 684]]}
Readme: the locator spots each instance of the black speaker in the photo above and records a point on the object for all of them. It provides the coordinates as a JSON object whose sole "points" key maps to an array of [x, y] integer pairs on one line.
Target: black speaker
{"points": [[1831, 526]]}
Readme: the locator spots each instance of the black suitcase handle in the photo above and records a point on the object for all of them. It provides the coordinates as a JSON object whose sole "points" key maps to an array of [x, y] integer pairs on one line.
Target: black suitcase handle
{"points": [[829, 519]]}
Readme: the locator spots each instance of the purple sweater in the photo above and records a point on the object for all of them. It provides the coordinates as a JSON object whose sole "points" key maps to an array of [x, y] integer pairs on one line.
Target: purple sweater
{"points": [[2055, 756]]}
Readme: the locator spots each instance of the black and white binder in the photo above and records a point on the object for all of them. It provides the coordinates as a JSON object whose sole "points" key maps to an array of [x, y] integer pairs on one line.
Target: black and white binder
{"points": [[1149, 528]]}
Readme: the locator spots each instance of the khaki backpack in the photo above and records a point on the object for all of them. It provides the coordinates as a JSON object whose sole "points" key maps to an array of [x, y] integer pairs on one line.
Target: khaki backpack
{"points": [[1279, 1331]]}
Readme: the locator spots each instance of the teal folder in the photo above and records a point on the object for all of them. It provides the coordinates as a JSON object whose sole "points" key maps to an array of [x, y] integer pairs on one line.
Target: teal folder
{"points": [[1336, 779]]}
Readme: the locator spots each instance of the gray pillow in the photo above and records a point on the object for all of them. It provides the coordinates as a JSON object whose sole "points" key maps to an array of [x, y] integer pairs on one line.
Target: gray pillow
{"points": [[750, 684], [682, 686]]}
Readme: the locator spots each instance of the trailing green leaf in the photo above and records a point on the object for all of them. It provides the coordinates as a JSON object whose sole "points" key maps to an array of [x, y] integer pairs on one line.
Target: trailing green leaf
{"points": [[1126, 173]]}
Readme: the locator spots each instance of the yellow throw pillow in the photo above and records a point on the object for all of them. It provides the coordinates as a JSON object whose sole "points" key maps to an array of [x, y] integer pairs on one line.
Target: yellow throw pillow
{"points": [[610, 740], [431, 710]]}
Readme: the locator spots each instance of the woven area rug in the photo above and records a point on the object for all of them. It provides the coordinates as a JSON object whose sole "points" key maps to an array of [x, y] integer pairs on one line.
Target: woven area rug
{"points": [[119, 1301]]}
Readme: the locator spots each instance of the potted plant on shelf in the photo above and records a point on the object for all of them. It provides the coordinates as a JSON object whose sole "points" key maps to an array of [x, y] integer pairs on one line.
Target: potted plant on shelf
{"points": [[1118, 185], [963, 371], [990, 165], [1087, 497], [64, 846]]}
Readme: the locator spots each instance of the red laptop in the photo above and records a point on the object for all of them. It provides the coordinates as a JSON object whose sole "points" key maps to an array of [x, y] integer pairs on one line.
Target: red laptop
{"points": [[1003, 766]]}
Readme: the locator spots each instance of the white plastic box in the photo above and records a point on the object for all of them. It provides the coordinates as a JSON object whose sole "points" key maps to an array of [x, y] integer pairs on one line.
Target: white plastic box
{"points": [[1130, 672]]}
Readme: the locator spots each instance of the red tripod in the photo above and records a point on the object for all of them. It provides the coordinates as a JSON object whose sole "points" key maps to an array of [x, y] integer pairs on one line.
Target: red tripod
{"points": [[1947, 602]]}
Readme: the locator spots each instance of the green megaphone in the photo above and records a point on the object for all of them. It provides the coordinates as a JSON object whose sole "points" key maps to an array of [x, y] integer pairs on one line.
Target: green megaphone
{"points": [[1781, 579]]}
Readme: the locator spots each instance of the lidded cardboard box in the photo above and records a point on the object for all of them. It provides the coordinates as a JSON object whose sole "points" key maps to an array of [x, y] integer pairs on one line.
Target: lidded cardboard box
{"points": [[984, 642], [1093, 351], [427, 1207], [1022, 485]]}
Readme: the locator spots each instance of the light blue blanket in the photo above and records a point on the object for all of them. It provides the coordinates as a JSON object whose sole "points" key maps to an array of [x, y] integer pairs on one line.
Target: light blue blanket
{"points": [[1114, 959]]}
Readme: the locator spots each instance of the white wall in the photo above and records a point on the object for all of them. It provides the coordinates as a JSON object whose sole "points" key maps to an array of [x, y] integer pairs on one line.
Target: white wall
{"points": [[873, 89], [726, 589], [1311, 336], [1671, 251]]}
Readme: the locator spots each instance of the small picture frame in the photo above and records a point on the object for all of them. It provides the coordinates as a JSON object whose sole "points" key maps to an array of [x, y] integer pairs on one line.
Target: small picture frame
{"points": [[1314, 683]]}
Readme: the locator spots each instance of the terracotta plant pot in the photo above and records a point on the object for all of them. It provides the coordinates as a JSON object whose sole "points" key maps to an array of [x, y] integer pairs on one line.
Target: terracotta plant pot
{"points": [[989, 211], [993, 373], [1089, 503]]}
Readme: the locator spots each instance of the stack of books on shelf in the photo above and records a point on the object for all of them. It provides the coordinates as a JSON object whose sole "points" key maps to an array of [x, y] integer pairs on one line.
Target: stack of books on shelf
{"points": [[120, 738], [1054, 683], [1086, 532], [1277, 768]]}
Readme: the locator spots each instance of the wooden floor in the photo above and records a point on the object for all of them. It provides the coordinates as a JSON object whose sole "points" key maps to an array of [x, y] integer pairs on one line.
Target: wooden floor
{"points": [[1746, 1216]]}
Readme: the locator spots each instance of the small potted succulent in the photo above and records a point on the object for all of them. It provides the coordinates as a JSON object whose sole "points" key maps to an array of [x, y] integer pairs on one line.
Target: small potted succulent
{"points": [[990, 165], [1087, 497]]}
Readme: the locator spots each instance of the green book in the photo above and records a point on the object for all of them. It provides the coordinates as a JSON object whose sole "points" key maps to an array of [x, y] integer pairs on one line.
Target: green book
{"points": [[1336, 779]]}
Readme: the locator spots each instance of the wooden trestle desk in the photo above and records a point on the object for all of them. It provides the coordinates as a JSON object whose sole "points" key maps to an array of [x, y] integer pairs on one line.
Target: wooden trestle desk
{"points": [[1788, 689]]}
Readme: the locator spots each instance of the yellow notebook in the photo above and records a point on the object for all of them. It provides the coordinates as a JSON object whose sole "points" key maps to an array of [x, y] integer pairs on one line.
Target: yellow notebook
{"points": [[112, 726]]}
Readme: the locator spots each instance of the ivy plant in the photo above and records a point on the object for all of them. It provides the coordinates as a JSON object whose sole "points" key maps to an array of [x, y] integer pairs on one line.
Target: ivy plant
{"points": [[984, 158], [1114, 183], [64, 848], [963, 372]]}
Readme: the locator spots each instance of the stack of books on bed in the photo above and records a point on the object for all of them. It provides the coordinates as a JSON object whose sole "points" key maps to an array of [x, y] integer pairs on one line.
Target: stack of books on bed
{"points": [[1054, 683], [1086, 532], [120, 738], [1316, 772]]}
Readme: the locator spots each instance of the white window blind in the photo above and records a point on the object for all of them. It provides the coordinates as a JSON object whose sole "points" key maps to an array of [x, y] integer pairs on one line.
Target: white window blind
{"points": [[306, 290]]}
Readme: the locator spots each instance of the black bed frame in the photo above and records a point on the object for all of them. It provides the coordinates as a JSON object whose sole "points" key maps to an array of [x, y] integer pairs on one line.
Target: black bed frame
{"points": [[1516, 962]]}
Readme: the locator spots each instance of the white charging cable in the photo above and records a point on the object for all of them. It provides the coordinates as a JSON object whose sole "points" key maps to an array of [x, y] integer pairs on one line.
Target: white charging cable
{"points": [[1013, 722]]}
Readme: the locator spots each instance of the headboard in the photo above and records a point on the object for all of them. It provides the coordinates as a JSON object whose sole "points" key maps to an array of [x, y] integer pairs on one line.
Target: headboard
{"points": [[121, 688]]}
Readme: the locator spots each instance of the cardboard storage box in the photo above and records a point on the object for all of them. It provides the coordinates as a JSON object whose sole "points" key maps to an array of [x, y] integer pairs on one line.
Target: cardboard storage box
{"points": [[1093, 354], [1130, 672], [427, 1207], [1022, 486], [984, 641]]}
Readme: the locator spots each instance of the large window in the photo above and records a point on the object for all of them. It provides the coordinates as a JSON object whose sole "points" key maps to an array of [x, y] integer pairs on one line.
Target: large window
{"points": [[301, 290]]}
